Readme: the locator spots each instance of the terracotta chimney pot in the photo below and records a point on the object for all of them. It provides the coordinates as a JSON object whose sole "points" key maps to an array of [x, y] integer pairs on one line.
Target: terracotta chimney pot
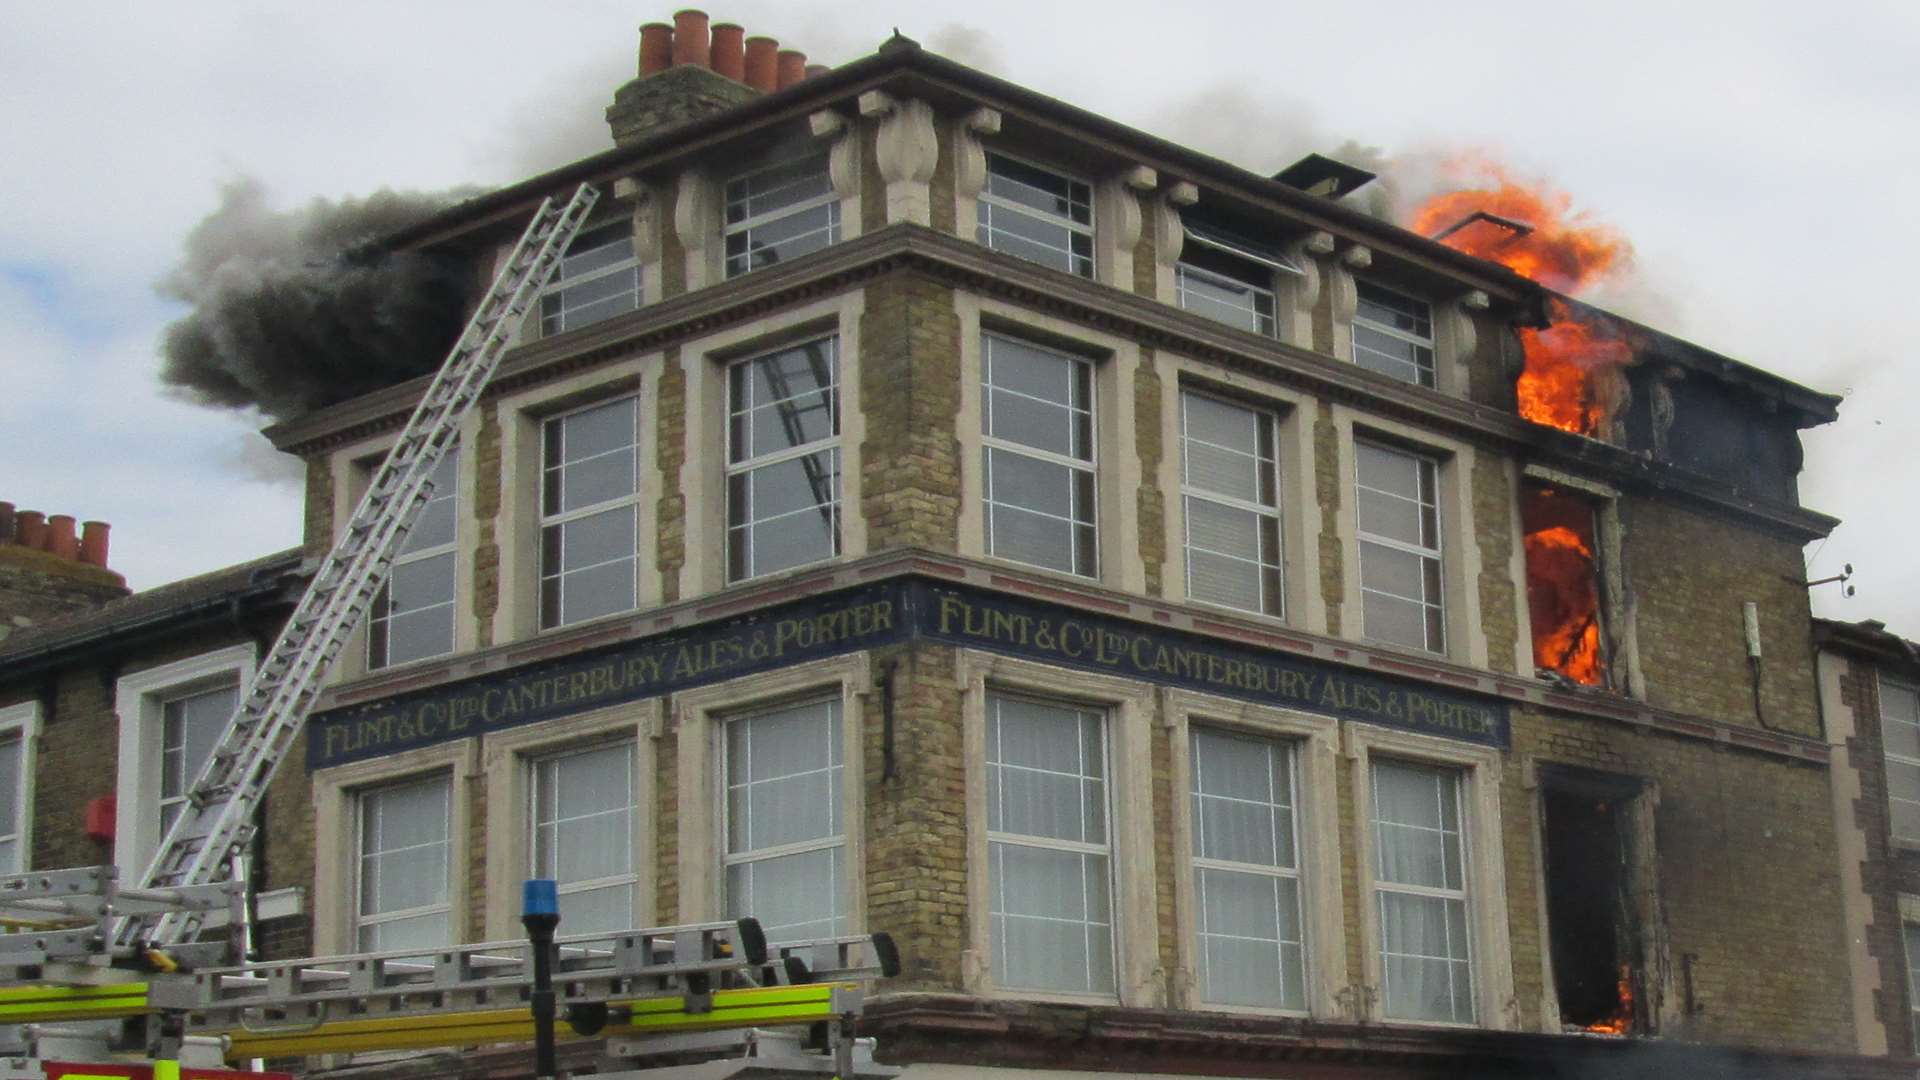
{"points": [[30, 528], [728, 58], [656, 48], [93, 543], [793, 67], [60, 540], [763, 64], [690, 44]]}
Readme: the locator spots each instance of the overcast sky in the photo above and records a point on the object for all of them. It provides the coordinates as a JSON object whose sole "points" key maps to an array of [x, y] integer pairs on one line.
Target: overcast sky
{"points": [[1763, 166]]}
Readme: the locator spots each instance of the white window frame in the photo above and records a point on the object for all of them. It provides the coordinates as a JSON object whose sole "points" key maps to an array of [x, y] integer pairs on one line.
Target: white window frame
{"points": [[1483, 859], [831, 199], [748, 466], [724, 785], [698, 718], [1429, 377], [336, 820], [140, 701], [1129, 707], [508, 759], [1000, 204], [1090, 466], [23, 722], [1316, 741], [403, 558], [632, 502], [363, 920], [1189, 492], [561, 283], [1880, 699], [1437, 553]]}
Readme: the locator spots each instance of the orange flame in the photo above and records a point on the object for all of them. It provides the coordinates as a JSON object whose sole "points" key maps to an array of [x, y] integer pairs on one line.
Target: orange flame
{"points": [[1571, 380], [1563, 593], [1621, 1022]]}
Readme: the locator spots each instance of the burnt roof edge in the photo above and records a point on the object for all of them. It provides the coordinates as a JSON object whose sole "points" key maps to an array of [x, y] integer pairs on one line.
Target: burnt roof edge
{"points": [[1868, 637]]}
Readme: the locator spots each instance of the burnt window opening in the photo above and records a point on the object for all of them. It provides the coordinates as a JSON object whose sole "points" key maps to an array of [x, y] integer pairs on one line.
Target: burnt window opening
{"points": [[1563, 584], [1596, 829]]}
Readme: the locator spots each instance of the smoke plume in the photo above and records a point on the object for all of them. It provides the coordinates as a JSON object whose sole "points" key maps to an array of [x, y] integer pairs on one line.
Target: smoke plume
{"points": [[290, 309]]}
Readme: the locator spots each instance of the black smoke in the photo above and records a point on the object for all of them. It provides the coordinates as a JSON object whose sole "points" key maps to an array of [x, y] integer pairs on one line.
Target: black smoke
{"points": [[294, 310]]}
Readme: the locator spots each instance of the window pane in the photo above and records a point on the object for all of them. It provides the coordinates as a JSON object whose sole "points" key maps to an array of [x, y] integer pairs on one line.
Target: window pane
{"points": [[1424, 951], [1250, 942], [1050, 922], [1900, 719], [10, 786], [794, 896], [597, 911], [784, 788]]}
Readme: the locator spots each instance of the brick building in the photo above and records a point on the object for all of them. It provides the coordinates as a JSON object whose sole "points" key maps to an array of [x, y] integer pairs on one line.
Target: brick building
{"points": [[921, 505]]}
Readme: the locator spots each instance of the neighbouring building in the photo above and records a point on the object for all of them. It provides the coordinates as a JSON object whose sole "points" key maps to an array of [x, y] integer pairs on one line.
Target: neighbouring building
{"points": [[922, 505]]}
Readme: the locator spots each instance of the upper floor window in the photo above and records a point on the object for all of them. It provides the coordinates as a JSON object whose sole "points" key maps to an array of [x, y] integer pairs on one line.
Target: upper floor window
{"points": [[1036, 413], [786, 857], [583, 810], [1049, 853], [1230, 489], [589, 491], [1393, 334], [404, 865], [1900, 737], [412, 617], [13, 801], [783, 459], [1420, 893], [1028, 211], [780, 212], [1246, 870], [190, 727], [1910, 942], [1399, 523], [598, 278], [1229, 279]]}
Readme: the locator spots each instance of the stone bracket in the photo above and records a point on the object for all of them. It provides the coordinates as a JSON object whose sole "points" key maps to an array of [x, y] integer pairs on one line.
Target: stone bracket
{"points": [[907, 149]]}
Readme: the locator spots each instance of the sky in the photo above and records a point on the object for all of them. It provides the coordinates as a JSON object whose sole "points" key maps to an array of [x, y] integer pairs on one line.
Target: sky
{"points": [[1760, 158]]}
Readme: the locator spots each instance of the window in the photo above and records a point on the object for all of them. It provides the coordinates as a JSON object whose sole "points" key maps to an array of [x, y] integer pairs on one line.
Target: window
{"points": [[19, 728], [1049, 857], [1393, 334], [1036, 214], [783, 460], [1230, 489], [1246, 872], [1036, 413], [1900, 736], [781, 212], [583, 811], [171, 716], [1558, 530], [1399, 523], [412, 617], [1229, 279], [786, 860], [404, 865], [1420, 893], [190, 727], [1910, 938], [589, 489], [599, 278]]}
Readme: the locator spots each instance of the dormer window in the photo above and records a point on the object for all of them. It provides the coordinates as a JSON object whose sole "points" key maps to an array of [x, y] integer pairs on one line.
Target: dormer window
{"points": [[1393, 334], [780, 213], [1028, 211], [1227, 278], [599, 278]]}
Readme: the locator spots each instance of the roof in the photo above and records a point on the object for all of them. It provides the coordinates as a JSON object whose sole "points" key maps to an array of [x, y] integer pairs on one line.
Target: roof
{"points": [[164, 609], [1869, 637]]}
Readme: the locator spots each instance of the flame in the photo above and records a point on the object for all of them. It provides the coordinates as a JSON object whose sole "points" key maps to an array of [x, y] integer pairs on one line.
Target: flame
{"points": [[1572, 379], [1621, 1022], [1562, 590]]}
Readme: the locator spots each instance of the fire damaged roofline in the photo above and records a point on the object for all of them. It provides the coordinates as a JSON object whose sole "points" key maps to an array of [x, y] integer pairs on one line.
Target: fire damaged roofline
{"points": [[1814, 407], [1868, 637], [226, 596]]}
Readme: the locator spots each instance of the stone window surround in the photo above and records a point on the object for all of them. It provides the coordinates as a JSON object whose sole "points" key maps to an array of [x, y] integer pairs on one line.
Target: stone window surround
{"points": [[1460, 566], [517, 529], [336, 833], [351, 469], [1129, 707], [698, 716], [1316, 805], [138, 701], [704, 475], [1491, 955], [1454, 334], [1300, 512], [1117, 466], [507, 756], [23, 721]]}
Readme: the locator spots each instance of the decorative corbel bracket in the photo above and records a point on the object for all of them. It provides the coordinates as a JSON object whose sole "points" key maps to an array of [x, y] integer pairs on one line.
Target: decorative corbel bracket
{"points": [[1169, 234], [907, 149], [970, 157], [692, 216], [843, 156]]}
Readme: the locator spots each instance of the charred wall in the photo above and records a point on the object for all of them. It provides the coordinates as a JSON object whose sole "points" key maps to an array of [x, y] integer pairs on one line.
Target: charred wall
{"points": [[1733, 436]]}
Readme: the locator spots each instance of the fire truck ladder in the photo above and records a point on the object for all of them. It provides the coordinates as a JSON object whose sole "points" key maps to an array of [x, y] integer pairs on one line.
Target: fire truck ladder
{"points": [[218, 820]]}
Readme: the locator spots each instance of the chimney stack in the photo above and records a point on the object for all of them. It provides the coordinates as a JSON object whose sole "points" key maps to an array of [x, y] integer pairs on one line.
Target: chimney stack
{"points": [[46, 572], [693, 68]]}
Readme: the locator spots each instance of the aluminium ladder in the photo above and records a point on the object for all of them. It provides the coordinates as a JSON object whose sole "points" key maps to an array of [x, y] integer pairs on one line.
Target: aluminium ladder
{"points": [[217, 820]]}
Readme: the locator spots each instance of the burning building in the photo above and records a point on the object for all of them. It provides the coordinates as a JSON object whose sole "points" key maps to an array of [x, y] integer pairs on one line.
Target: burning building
{"points": [[1135, 583]]}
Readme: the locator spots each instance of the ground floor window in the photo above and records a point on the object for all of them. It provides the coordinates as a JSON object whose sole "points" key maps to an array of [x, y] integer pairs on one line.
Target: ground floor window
{"points": [[404, 865], [583, 813], [1420, 893], [786, 850]]}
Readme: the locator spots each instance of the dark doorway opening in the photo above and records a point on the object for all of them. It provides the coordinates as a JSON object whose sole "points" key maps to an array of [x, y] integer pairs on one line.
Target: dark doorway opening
{"points": [[1590, 911]]}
